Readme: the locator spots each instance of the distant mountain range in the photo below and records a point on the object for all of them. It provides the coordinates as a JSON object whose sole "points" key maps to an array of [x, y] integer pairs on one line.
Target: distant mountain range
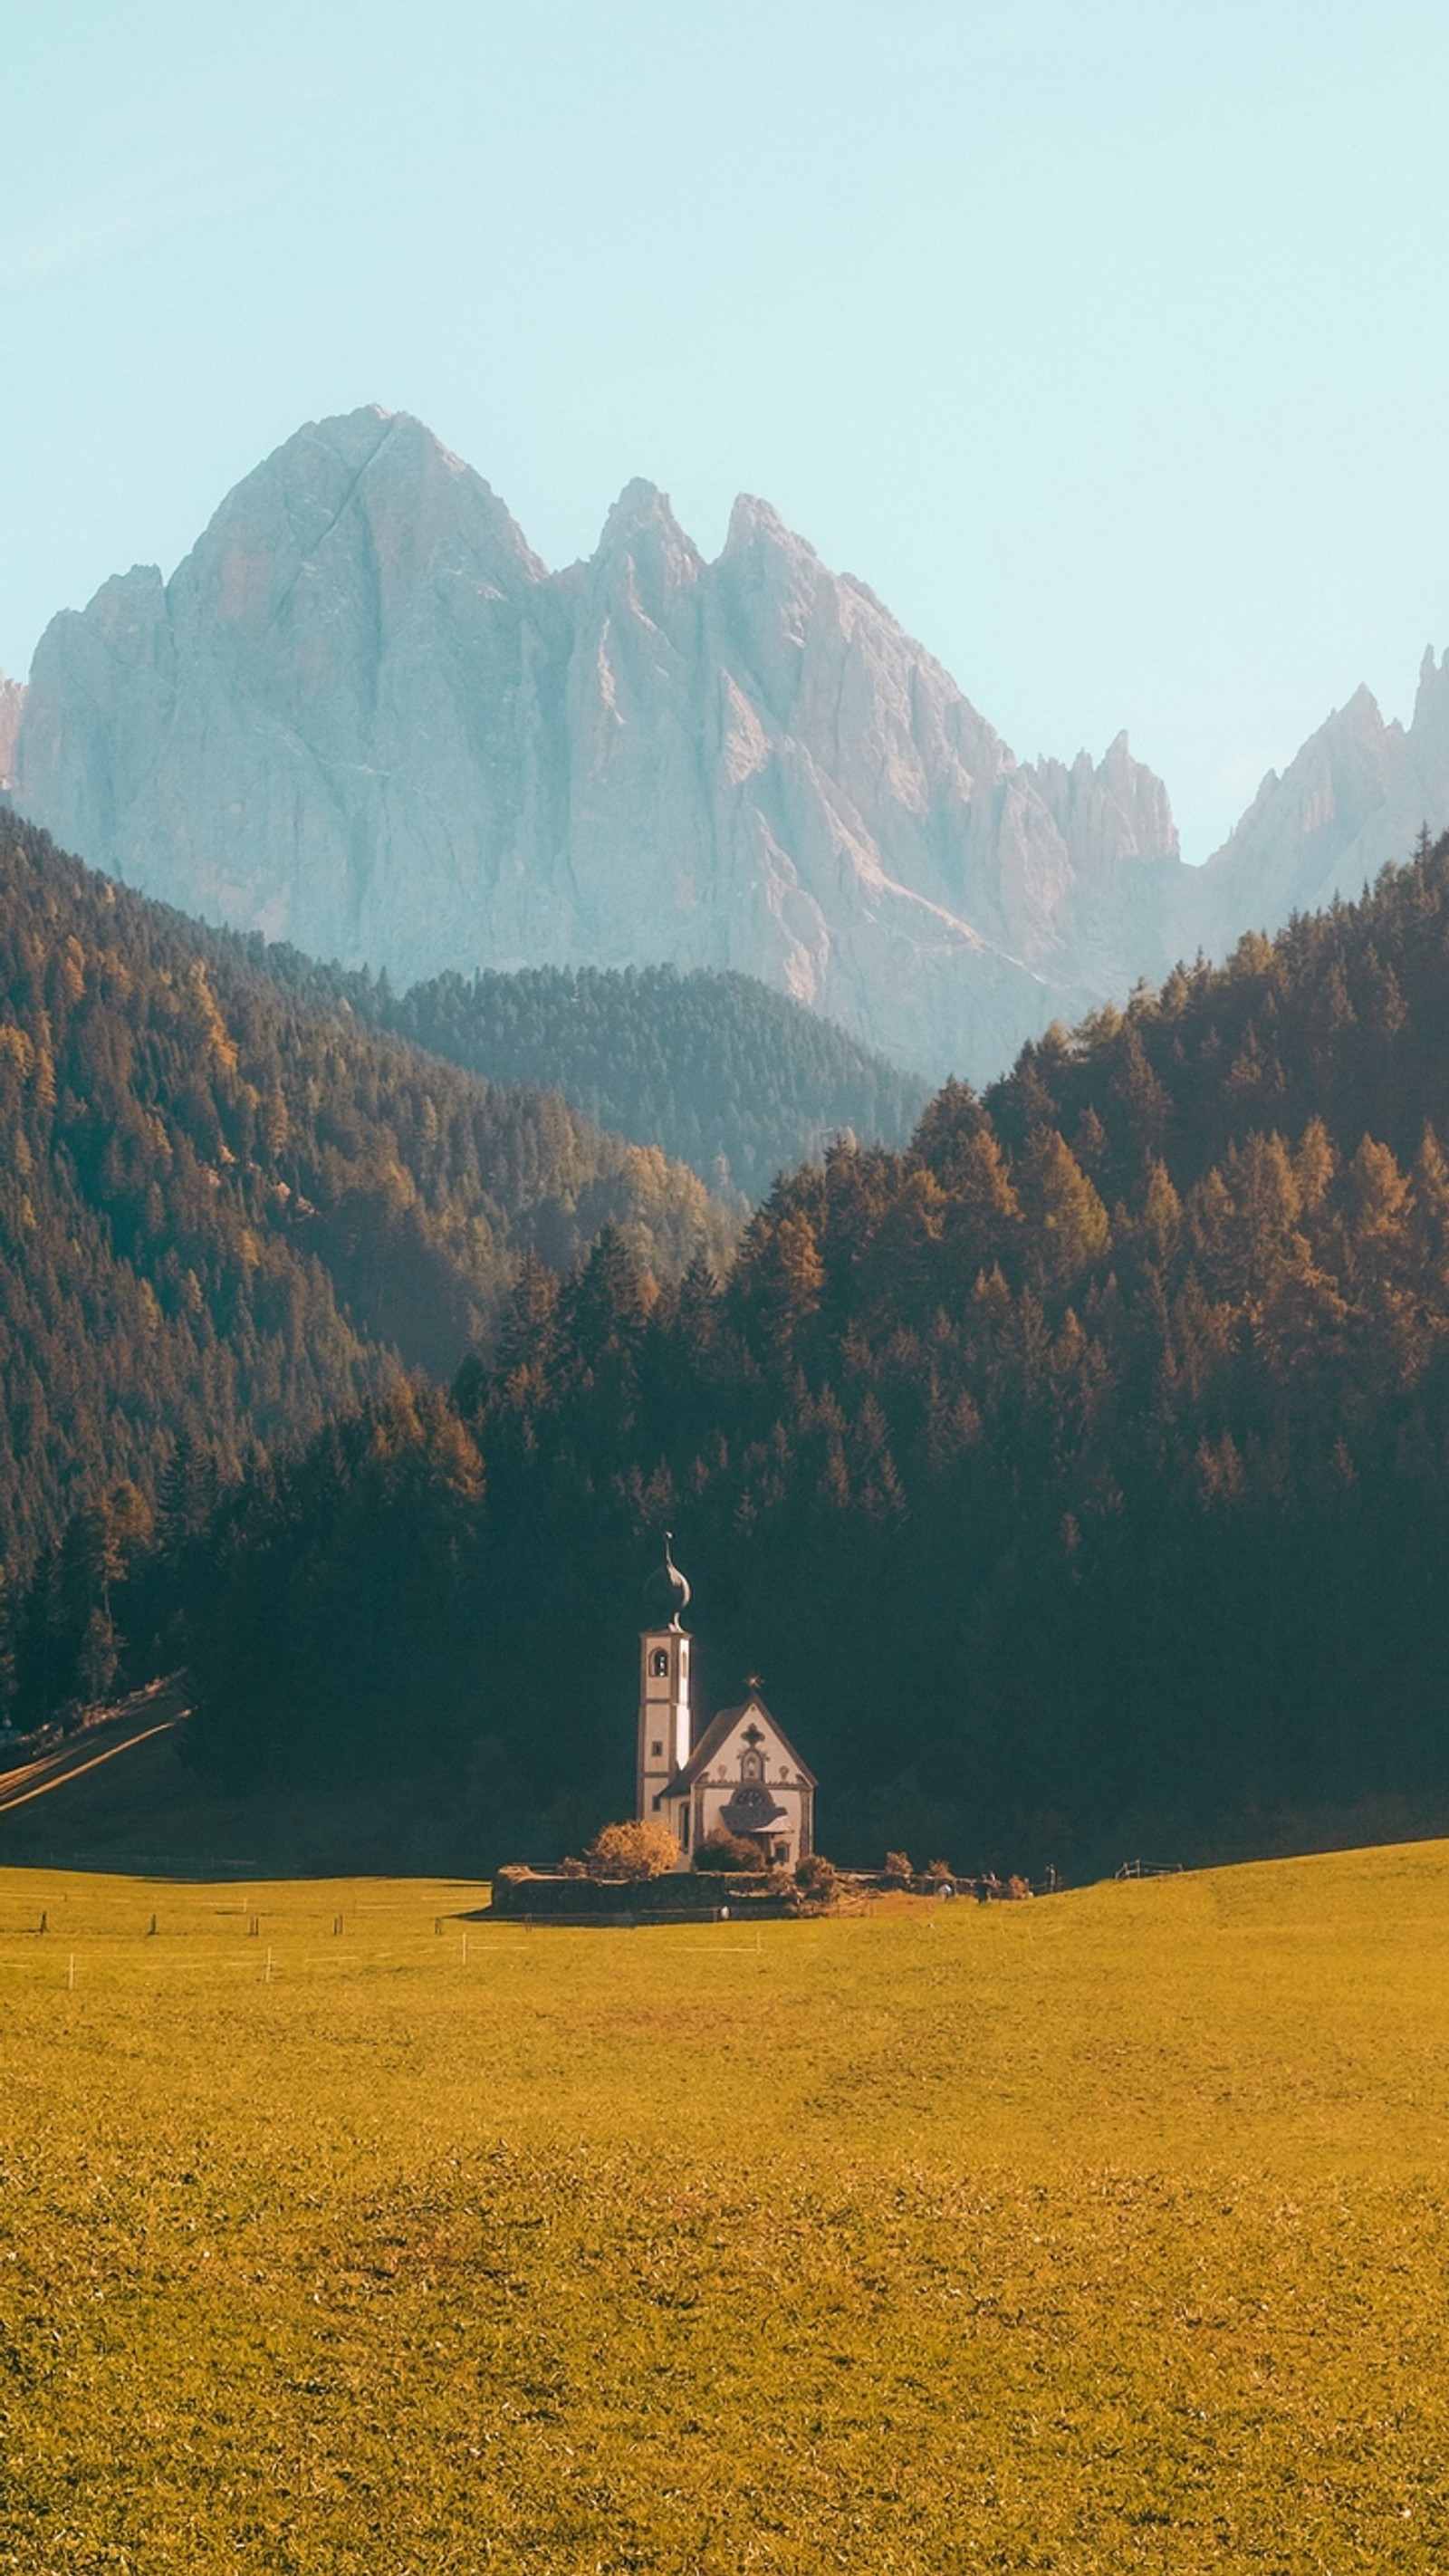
{"points": [[1355, 800], [363, 716]]}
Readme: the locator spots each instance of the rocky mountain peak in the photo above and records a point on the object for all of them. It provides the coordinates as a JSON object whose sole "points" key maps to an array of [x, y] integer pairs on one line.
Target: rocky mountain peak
{"points": [[642, 532], [1429, 731], [756, 528], [1352, 800], [642, 512], [1116, 806], [12, 702], [368, 498], [362, 715], [1361, 721]]}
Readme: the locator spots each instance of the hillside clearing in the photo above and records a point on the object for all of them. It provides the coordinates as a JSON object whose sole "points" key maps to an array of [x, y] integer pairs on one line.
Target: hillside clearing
{"points": [[1098, 2234]]}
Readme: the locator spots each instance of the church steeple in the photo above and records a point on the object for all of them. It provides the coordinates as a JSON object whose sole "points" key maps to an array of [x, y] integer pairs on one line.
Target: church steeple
{"points": [[665, 1724], [666, 1592]]}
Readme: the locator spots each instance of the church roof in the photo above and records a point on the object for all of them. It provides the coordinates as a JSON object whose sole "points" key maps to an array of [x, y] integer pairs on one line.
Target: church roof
{"points": [[718, 1733]]}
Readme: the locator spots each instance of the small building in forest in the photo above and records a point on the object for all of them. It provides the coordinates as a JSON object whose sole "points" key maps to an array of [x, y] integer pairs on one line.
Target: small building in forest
{"points": [[743, 1773]]}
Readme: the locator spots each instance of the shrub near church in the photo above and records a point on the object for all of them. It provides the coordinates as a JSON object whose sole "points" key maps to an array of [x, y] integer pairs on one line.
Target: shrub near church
{"points": [[636, 1850]]}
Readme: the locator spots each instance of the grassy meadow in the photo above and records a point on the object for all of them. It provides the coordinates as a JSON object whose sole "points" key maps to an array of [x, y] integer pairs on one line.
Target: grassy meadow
{"points": [[1106, 2233]]}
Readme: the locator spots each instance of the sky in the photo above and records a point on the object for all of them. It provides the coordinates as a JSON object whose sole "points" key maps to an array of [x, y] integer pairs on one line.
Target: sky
{"points": [[1105, 339]]}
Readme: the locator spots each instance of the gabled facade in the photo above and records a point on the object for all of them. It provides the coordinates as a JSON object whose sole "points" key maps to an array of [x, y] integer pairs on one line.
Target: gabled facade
{"points": [[743, 1774], [746, 1775]]}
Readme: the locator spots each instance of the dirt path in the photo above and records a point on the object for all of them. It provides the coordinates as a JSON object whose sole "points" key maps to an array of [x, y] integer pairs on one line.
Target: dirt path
{"points": [[150, 1713]]}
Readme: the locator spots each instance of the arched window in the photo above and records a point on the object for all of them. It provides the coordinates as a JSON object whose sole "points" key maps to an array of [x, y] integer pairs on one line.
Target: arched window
{"points": [[659, 1662], [752, 1766]]}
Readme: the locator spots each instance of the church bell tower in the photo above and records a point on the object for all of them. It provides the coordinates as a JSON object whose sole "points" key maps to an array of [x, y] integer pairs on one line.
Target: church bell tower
{"points": [[665, 1728]]}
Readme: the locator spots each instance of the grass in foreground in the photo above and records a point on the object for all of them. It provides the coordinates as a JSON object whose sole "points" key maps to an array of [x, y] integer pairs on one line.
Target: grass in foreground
{"points": [[1103, 2234]]}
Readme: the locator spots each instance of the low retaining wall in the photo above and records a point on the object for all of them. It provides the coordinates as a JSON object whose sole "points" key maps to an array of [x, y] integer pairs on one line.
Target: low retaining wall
{"points": [[684, 1896], [678, 1897]]}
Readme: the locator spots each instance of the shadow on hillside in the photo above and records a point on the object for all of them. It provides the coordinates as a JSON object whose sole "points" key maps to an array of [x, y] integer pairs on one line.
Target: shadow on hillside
{"points": [[146, 1813]]}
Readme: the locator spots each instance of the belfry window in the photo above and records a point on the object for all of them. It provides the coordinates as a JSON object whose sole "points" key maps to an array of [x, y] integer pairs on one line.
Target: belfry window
{"points": [[659, 1662]]}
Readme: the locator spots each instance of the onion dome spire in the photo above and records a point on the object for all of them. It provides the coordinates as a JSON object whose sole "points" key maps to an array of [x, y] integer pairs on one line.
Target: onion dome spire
{"points": [[666, 1593]]}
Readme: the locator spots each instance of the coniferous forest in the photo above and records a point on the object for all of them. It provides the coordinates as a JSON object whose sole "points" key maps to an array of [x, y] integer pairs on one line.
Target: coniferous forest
{"points": [[722, 1073], [229, 1213], [1082, 1468], [738, 1081]]}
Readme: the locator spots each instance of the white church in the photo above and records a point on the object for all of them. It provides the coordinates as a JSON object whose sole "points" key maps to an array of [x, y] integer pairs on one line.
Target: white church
{"points": [[744, 1773]]}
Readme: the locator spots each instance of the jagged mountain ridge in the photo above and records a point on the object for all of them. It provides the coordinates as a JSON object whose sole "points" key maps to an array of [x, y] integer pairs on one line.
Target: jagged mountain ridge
{"points": [[363, 716], [1351, 802]]}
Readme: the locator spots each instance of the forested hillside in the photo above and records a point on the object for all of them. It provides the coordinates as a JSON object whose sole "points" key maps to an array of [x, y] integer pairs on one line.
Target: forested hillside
{"points": [[1086, 1463], [737, 1081], [734, 1079], [227, 1213], [1341, 1017]]}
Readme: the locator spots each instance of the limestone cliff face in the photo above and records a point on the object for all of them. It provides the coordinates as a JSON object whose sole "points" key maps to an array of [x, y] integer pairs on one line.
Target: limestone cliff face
{"points": [[363, 716], [12, 701], [1355, 798]]}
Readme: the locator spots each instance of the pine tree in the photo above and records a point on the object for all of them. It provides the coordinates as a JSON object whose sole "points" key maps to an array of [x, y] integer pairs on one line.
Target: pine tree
{"points": [[1069, 1223]]}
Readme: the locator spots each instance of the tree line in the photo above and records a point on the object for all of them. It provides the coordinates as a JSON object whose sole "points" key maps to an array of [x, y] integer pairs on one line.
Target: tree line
{"points": [[1080, 1470], [740, 1082], [228, 1212]]}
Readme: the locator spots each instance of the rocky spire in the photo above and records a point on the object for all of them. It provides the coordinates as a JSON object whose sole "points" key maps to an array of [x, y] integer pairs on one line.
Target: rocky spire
{"points": [[362, 716], [12, 704]]}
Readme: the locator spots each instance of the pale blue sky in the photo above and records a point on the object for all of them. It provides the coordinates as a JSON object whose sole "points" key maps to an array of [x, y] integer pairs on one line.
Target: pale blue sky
{"points": [[1106, 340]]}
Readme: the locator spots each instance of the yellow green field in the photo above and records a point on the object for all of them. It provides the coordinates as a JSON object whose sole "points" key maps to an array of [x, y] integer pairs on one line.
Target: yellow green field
{"points": [[1101, 2234]]}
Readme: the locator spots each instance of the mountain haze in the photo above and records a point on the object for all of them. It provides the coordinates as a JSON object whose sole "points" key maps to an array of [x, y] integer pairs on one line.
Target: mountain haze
{"points": [[1353, 801], [12, 701], [363, 717]]}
